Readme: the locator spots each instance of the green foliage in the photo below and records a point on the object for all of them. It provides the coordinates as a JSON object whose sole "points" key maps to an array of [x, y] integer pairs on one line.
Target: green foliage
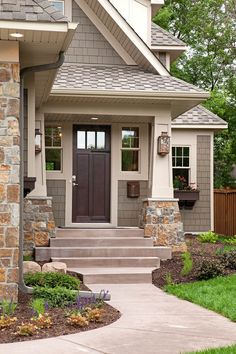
{"points": [[52, 280], [38, 306], [168, 279], [215, 294], [208, 237], [208, 29], [210, 269], [225, 249], [228, 240], [229, 259], [187, 263], [28, 257], [55, 297], [7, 307], [223, 350]]}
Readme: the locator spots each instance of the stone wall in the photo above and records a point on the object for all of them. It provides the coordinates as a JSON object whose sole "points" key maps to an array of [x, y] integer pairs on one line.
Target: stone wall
{"points": [[57, 190], [129, 208], [39, 225], [9, 180], [161, 221], [88, 45], [199, 218]]}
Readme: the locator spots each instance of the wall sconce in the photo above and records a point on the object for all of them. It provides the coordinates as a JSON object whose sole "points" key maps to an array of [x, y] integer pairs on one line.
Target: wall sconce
{"points": [[38, 141], [163, 146]]}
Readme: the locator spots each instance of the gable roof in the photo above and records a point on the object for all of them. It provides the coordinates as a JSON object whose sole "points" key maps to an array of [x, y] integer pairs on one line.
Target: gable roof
{"points": [[118, 78], [160, 37], [199, 116], [30, 10]]}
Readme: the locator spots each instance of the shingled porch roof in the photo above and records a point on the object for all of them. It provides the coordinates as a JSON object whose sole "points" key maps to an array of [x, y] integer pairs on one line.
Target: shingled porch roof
{"points": [[30, 10]]}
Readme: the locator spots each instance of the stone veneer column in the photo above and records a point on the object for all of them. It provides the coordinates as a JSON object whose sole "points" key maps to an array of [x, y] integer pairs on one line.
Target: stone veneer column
{"points": [[161, 220], [9, 180], [39, 225]]}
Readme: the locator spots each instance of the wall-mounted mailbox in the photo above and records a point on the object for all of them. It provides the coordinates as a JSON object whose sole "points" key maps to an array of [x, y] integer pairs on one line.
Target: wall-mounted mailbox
{"points": [[133, 189]]}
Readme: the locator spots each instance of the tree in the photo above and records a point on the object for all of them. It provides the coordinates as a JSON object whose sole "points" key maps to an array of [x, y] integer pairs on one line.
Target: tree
{"points": [[208, 28]]}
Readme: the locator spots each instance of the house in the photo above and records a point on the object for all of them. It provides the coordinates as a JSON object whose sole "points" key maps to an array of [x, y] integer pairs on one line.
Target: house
{"points": [[105, 133]]}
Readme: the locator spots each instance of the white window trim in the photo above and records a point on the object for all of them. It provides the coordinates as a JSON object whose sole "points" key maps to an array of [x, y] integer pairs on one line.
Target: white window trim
{"points": [[189, 167], [142, 174], [56, 173]]}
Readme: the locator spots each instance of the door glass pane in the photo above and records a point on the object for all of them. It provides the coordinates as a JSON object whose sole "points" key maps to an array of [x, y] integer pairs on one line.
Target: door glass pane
{"points": [[130, 160], [81, 140], [90, 140], [100, 140]]}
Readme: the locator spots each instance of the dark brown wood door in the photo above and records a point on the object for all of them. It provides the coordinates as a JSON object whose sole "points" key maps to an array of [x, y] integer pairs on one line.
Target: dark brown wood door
{"points": [[91, 174]]}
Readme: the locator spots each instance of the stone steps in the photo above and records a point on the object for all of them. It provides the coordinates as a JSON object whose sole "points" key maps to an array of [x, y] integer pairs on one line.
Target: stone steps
{"points": [[87, 233], [101, 242], [115, 275]]}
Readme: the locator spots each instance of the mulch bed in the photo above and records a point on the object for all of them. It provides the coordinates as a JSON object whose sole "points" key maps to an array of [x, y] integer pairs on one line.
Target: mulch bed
{"points": [[172, 267], [60, 327]]}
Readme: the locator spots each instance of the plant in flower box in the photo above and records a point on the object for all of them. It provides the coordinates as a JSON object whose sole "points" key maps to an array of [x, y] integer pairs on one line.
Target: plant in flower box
{"points": [[180, 183]]}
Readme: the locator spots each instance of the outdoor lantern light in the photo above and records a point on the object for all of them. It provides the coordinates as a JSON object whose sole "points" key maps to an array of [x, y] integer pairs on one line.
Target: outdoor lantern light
{"points": [[163, 145], [38, 141]]}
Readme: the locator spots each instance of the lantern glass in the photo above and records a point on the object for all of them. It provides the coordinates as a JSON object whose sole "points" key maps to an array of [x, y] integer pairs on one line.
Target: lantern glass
{"points": [[38, 141], [163, 144]]}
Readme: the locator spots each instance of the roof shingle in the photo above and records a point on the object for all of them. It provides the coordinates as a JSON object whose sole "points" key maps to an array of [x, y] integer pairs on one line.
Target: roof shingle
{"points": [[198, 115], [30, 10], [118, 78], [161, 37]]}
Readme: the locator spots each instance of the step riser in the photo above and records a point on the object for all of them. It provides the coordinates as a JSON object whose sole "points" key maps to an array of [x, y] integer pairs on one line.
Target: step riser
{"points": [[103, 252], [117, 279], [100, 243], [109, 263], [99, 233]]}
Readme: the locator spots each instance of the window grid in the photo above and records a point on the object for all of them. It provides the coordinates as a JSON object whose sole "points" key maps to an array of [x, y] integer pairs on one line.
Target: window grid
{"points": [[53, 149], [130, 149]]}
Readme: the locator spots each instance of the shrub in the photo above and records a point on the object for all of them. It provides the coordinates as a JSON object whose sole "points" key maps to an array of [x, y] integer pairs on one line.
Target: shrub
{"points": [[7, 307], [229, 259], [56, 297], [26, 330], [210, 269], [94, 315], [187, 263], [208, 237], [225, 249], [42, 321], [38, 306], [6, 321], [228, 240], [52, 280], [77, 320]]}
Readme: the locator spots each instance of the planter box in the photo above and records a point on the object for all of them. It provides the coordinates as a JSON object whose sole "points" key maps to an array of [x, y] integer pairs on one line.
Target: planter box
{"points": [[187, 199], [29, 185]]}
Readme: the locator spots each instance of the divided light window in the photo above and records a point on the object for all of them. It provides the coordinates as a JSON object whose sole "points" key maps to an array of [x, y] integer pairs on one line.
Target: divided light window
{"points": [[130, 151], [53, 148], [180, 162], [59, 5]]}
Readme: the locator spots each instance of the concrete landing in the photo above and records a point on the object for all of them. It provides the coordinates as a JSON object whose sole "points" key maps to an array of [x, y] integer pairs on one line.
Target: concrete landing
{"points": [[152, 323]]}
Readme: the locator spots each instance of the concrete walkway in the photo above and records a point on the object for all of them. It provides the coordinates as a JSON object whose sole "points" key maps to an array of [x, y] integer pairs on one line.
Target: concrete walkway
{"points": [[152, 323]]}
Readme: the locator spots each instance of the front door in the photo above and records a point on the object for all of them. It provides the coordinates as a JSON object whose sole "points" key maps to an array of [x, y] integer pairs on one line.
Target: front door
{"points": [[91, 174]]}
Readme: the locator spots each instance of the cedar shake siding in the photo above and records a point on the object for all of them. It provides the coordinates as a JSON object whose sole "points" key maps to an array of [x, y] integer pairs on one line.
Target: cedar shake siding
{"points": [[57, 190]]}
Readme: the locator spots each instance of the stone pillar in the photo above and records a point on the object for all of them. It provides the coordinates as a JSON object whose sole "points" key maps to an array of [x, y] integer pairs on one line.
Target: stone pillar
{"points": [[161, 221], [39, 225], [9, 178]]}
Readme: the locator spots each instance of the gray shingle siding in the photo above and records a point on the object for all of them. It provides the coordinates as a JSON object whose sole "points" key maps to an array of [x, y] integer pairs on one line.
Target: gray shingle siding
{"points": [[88, 45], [199, 218], [57, 190]]}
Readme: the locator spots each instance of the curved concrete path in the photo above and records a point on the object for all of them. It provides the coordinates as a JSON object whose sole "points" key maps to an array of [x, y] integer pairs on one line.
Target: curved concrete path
{"points": [[152, 323]]}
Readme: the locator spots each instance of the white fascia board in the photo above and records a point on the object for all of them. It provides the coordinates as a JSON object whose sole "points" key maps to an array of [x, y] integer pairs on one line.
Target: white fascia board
{"points": [[157, 2], [105, 32], [168, 48], [127, 94], [37, 26], [133, 36], [200, 126]]}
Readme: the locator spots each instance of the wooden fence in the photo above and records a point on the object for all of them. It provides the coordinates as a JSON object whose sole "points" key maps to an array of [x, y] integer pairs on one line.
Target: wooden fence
{"points": [[225, 211]]}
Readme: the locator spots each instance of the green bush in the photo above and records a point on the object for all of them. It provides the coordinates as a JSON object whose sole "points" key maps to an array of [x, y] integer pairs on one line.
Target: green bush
{"points": [[187, 263], [210, 269], [208, 237], [52, 280], [225, 249], [228, 240], [229, 259], [55, 297]]}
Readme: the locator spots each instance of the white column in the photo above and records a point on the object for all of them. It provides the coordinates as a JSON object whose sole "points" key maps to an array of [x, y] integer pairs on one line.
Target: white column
{"points": [[30, 84], [40, 167], [161, 170]]}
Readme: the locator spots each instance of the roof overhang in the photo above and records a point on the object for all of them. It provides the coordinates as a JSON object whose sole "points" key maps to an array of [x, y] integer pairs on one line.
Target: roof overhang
{"points": [[180, 102], [175, 51], [199, 126], [41, 43]]}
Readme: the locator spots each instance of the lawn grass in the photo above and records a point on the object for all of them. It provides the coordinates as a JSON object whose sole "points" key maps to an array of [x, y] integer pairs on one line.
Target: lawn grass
{"points": [[216, 294], [225, 350]]}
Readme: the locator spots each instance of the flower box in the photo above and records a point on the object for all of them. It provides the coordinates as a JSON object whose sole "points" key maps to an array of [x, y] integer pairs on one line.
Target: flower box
{"points": [[187, 198]]}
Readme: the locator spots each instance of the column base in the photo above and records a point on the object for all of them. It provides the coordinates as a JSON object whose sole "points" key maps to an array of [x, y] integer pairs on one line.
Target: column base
{"points": [[161, 221], [39, 224]]}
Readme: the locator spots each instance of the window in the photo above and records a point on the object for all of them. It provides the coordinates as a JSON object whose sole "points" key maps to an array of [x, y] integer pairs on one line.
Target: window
{"points": [[91, 140], [130, 152], [180, 163], [53, 148], [59, 5]]}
